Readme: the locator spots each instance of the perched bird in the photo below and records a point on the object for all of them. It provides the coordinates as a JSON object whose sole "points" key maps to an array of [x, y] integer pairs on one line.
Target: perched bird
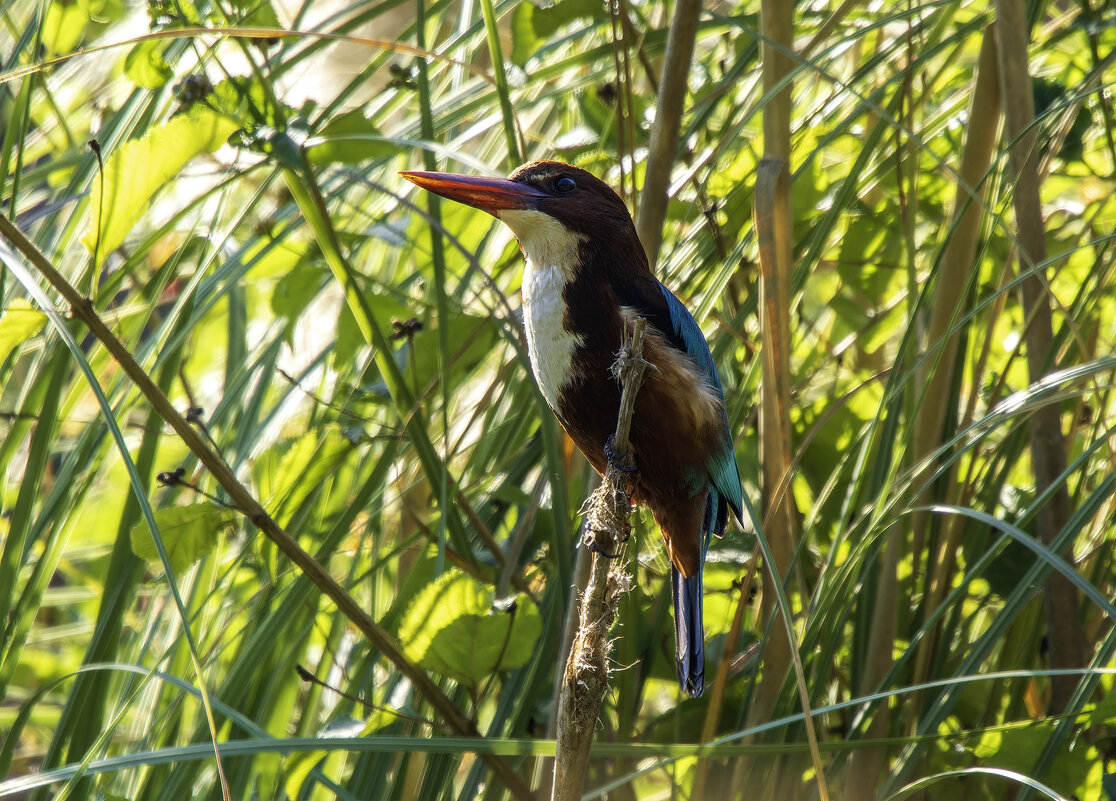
{"points": [[587, 279]]}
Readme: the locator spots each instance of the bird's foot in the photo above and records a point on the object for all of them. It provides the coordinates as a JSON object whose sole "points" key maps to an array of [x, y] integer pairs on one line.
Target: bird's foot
{"points": [[595, 546], [621, 461]]}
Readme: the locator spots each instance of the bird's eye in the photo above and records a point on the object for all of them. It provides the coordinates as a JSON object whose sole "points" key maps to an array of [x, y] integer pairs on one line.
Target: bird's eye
{"points": [[565, 184]]}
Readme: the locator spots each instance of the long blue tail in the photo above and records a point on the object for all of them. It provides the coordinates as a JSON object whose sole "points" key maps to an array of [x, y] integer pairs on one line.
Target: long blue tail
{"points": [[689, 634]]}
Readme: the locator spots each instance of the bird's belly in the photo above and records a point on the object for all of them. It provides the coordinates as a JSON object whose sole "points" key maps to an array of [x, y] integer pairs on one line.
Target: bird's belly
{"points": [[549, 345]]}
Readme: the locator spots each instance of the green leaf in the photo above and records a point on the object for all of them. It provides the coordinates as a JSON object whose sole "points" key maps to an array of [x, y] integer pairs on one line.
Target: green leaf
{"points": [[419, 575], [349, 338], [866, 259], [453, 629], [188, 533], [1105, 710], [531, 25], [1018, 749], [282, 145], [256, 14], [140, 168], [63, 27], [349, 138], [524, 39], [17, 325], [304, 465], [297, 768], [145, 65], [244, 98], [471, 338], [296, 289]]}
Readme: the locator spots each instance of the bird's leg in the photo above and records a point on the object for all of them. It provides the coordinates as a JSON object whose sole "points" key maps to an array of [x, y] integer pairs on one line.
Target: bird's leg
{"points": [[591, 543], [621, 461], [607, 525]]}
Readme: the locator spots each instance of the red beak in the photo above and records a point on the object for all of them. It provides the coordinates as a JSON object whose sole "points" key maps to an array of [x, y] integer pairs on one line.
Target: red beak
{"points": [[487, 194]]}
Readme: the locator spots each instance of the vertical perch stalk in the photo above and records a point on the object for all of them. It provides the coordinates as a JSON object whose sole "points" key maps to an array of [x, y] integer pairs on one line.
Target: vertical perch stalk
{"points": [[951, 290], [586, 673], [1048, 443], [774, 221], [673, 86]]}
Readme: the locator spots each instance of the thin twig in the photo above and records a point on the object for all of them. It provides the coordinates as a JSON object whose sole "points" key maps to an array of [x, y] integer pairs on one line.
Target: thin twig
{"points": [[586, 675], [669, 107]]}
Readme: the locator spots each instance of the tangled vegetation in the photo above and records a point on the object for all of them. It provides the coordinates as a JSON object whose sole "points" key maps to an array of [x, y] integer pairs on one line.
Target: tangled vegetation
{"points": [[939, 503]]}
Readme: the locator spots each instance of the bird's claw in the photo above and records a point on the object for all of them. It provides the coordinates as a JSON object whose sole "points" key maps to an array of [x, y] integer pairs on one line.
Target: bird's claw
{"points": [[621, 461], [593, 546]]}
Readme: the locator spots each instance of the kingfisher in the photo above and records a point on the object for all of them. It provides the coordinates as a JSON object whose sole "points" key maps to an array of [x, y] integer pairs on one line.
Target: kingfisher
{"points": [[587, 279]]}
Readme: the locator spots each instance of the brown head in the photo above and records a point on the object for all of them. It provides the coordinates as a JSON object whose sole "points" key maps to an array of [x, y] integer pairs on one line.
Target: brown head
{"points": [[581, 203]]}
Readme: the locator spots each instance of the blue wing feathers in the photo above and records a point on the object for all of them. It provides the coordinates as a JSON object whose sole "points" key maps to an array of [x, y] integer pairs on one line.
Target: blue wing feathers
{"points": [[721, 475], [724, 474]]}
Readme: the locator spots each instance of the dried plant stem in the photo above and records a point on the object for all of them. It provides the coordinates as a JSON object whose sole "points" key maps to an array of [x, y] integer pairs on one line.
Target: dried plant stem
{"points": [[1048, 443], [774, 219], [673, 86], [586, 674], [951, 287]]}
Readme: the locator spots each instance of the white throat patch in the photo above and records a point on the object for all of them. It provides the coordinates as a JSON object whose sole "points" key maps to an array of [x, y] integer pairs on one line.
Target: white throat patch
{"points": [[551, 252]]}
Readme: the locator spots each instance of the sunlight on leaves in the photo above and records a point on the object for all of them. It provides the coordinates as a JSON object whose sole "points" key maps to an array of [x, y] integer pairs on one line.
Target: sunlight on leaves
{"points": [[453, 628], [18, 323], [140, 168], [145, 65], [188, 533]]}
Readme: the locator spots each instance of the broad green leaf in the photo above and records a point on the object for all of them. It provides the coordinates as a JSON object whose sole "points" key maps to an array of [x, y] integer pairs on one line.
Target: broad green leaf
{"points": [[1105, 710], [140, 168], [19, 323], [296, 289], [348, 138], [281, 145], [145, 65], [350, 339], [303, 465], [419, 575], [272, 259], [235, 96], [256, 14], [1018, 749], [849, 313], [525, 40], [188, 533], [470, 339], [64, 27], [868, 253], [531, 25], [453, 629], [297, 768], [728, 180]]}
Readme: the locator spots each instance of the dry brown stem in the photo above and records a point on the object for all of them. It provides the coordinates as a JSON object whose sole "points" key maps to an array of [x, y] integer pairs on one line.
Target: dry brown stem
{"points": [[607, 529], [1048, 442]]}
